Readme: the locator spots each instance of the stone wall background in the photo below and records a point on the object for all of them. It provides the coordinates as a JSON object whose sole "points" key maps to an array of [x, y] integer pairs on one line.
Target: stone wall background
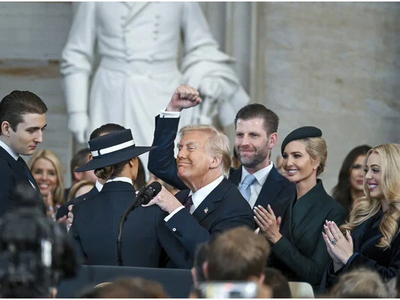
{"points": [[332, 65]]}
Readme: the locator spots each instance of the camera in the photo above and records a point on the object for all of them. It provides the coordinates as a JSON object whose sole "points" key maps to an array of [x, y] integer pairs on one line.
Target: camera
{"points": [[35, 252], [239, 289]]}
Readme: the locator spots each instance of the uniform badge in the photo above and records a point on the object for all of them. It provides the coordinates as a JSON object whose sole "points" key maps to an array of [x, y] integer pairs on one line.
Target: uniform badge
{"points": [[206, 210]]}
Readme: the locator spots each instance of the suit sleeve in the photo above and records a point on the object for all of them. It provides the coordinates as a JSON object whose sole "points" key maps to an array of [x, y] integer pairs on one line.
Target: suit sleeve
{"points": [[77, 58], [386, 272], [312, 267], [161, 159]]}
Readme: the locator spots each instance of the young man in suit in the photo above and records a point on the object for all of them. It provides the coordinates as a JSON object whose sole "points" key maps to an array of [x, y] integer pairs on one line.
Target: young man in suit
{"points": [[256, 134], [211, 204], [22, 121]]}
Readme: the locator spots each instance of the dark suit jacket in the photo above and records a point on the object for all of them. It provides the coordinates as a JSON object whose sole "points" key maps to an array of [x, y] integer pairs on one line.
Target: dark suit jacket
{"points": [[224, 208], [366, 254], [96, 222], [163, 165], [301, 253], [11, 173], [63, 209]]}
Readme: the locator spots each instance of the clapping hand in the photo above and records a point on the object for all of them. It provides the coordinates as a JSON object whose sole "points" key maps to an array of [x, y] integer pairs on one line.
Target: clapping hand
{"points": [[268, 223], [340, 247]]}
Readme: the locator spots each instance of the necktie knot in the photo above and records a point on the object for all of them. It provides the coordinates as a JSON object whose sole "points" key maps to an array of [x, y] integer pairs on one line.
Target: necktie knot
{"points": [[245, 186], [189, 202]]}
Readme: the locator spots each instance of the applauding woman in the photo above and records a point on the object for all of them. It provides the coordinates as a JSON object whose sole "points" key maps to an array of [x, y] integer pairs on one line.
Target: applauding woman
{"points": [[370, 238], [294, 226]]}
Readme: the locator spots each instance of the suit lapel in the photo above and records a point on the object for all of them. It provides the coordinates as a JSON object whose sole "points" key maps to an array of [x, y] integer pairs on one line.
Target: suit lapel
{"points": [[284, 209], [17, 167], [270, 189], [207, 206], [134, 9]]}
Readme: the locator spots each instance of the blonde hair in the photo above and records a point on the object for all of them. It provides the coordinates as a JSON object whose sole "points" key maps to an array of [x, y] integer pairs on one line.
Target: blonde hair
{"points": [[58, 195], [367, 206], [77, 186], [360, 283], [318, 151], [217, 144]]}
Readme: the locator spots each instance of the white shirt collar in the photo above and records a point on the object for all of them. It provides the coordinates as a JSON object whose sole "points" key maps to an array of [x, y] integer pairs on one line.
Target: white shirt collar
{"points": [[9, 150], [123, 179], [260, 175], [202, 193], [98, 186]]}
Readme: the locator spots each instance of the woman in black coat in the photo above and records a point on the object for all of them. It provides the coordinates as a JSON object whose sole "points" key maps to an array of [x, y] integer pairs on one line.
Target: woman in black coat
{"points": [[370, 238], [294, 226]]}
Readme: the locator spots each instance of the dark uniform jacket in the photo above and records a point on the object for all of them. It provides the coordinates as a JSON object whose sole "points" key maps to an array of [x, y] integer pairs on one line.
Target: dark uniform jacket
{"points": [[162, 164], [63, 209], [96, 222], [366, 254], [301, 253]]}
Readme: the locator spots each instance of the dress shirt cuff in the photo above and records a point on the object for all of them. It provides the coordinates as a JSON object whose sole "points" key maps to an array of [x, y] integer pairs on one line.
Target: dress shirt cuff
{"points": [[167, 218], [169, 114]]}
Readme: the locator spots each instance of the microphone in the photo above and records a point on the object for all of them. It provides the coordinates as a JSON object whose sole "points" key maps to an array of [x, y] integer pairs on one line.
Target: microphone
{"points": [[143, 197]]}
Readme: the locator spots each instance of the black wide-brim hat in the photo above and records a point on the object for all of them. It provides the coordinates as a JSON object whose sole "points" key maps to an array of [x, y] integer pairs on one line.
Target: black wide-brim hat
{"points": [[112, 148], [299, 134]]}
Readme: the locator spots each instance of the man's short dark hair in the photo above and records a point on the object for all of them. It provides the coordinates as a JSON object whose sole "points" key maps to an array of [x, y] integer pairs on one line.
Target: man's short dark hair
{"points": [[278, 283], [237, 254], [79, 160], [200, 257], [257, 110], [18, 103], [106, 128]]}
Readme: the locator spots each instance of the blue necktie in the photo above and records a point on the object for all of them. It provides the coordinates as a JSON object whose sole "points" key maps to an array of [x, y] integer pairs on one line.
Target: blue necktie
{"points": [[245, 186]]}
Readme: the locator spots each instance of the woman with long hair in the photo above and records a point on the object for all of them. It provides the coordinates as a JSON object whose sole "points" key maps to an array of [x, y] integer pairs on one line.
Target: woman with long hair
{"points": [[294, 226], [370, 238], [47, 171], [350, 182]]}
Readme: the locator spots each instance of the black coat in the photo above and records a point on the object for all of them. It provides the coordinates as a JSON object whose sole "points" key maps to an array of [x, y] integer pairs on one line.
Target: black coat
{"points": [[11, 173], [163, 165], [366, 254], [301, 253], [96, 222]]}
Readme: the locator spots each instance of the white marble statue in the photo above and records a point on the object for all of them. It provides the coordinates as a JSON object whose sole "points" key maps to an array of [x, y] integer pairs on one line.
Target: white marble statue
{"points": [[138, 45]]}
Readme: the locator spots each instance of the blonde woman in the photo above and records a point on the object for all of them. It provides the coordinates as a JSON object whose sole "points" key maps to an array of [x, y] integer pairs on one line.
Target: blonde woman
{"points": [[47, 171], [370, 238], [294, 226]]}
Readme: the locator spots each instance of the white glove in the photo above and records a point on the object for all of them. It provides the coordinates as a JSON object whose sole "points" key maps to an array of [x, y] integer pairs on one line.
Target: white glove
{"points": [[77, 124]]}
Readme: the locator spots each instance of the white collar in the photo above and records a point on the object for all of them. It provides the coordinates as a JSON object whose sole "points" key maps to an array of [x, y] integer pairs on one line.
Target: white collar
{"points": [[202, 193], [261, 175], [123, 179], [98, 186], [9, 150]]}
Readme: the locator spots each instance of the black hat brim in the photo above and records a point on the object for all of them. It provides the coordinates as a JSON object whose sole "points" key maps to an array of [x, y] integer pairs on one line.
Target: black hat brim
{"points": [[113, 158]]}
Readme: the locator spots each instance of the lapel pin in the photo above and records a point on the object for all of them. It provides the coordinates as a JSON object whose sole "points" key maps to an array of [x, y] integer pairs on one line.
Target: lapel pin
{"points": [[206, 210]]}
